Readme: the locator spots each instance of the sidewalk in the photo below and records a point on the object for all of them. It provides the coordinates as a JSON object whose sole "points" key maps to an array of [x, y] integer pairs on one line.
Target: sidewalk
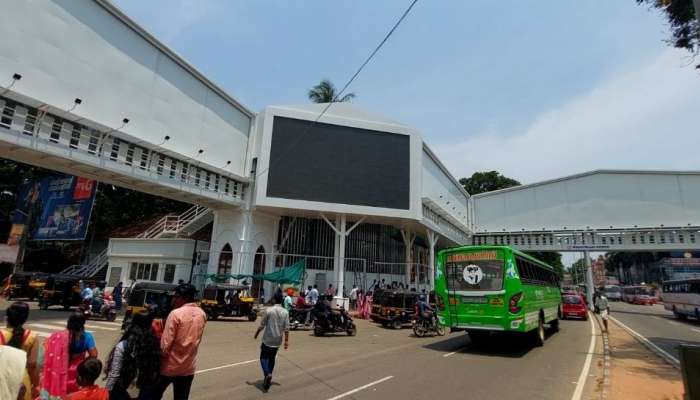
{"points": [[637, 373]]}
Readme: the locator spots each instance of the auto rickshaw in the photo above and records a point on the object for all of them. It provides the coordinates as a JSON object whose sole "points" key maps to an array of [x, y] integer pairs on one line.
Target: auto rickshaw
{"points": [[228, 301], [144, 295], [60, 289], [395, 308], [26, 285]]}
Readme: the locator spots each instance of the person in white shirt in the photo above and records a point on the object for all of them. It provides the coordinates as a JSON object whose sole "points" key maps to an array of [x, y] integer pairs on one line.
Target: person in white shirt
{"points": [[312, 295], [601, 302], [275, 324], [353, 297], [12, 363]]}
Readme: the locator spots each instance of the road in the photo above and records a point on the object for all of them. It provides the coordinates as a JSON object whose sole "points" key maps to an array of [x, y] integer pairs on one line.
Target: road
{"points": [[658, 326], [378, 363]]}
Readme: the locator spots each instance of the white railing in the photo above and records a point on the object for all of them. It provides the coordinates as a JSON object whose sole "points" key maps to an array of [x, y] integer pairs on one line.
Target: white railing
{"points": [[174, 224], [90, 269], [39, 129]]}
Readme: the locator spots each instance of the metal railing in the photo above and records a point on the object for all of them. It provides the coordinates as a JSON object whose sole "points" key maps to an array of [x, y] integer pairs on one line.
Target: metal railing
{"points": [[174, 224], [36, 128], [91, 269]]}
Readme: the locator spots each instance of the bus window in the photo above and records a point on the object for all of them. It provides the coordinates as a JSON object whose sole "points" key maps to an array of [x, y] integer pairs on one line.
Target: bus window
{"points": [[476, 275]]}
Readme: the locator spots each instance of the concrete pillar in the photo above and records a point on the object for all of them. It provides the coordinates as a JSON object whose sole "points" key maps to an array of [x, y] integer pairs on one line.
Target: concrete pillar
{"points": [[408, 239], [432, 241], [589, 279]]}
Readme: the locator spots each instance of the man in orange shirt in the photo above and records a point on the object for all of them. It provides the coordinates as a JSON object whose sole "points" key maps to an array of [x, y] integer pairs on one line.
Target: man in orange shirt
{"points": [[179, 343]]}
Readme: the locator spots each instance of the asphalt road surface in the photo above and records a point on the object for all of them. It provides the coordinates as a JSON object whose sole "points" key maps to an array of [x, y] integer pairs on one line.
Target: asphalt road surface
{"points": [[658, 326], [378, 363]]}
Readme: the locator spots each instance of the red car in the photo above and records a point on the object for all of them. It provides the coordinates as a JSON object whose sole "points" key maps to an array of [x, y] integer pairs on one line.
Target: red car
{"points": [[573, 306], [644, 300]]}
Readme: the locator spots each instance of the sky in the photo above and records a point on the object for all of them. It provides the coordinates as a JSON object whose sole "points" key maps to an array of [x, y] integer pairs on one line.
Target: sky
{"points": [[533, 89]]}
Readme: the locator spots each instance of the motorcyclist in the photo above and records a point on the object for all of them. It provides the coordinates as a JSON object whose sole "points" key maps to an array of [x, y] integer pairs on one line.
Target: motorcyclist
{"points": [[424, 310], [96, 298]]}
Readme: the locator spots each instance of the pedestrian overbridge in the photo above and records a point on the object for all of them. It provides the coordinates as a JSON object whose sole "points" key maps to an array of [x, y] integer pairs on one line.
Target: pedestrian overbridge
{"points": [[603, 210]]}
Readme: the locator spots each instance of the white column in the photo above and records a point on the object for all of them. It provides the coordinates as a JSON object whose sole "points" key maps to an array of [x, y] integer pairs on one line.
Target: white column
{"points": [[589, 280], [341, 255], [408, 239], [432, 241]]}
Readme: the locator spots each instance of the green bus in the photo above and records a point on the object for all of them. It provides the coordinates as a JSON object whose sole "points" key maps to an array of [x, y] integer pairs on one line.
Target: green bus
{"points": [[482, 289]]}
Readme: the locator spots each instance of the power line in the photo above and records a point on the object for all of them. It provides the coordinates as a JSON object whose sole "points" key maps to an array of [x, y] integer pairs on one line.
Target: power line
{"points": [[355, 75]]}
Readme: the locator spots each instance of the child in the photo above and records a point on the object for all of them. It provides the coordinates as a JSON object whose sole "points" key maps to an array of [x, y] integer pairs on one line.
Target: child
{"points": [[88, 372]]}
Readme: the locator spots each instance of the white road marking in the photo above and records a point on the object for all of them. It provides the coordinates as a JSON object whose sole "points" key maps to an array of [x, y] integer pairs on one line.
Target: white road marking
{"points": [[46, 326], [586, 365], [103, 328], [201, 371], [340, 396], [450, 354], [696, 330], [645, 340]]}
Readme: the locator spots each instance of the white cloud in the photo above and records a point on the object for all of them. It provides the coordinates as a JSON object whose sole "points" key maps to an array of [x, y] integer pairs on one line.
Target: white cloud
{"points": [[647, 118]]}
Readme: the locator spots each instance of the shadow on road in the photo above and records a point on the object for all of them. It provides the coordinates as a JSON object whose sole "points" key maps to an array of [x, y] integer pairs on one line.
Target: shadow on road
{"points": [[498, 344]]}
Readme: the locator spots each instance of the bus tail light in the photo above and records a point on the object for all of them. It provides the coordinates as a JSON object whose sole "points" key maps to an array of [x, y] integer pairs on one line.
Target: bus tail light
{"points": [[513, 307]]}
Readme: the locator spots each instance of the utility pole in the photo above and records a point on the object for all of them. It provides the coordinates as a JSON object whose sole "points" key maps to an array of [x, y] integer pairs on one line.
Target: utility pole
{"points": [[589, 280]]}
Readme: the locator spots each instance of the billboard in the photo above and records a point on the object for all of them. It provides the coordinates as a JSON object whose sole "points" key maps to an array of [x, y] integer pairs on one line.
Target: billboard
{"points": [[339, 164], [57, 207]]}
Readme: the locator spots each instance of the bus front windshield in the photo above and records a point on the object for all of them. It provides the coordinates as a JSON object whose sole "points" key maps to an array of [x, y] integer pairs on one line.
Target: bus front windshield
{"points": [[475, 275]]}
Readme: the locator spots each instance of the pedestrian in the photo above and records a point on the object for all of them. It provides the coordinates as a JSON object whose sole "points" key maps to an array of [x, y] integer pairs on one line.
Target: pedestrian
{"points": [[15, 335], [182, 334], [330, 291], [601, 303], [12, 362], [275, 324], [117, 295], [134, 360], [288, 300], [63, 352], [353, 297], [88, 372]]}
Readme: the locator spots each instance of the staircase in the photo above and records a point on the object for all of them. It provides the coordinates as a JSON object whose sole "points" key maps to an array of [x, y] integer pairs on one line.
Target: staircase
{"points": [[90, 270], [170, 226], [185, 224]]}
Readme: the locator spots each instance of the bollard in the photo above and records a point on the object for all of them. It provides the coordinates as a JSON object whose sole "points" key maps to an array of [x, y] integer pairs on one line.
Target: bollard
{"points": [[690, 369]]}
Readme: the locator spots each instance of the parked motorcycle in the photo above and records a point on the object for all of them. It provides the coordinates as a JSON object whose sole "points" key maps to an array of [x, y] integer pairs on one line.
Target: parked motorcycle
{"points": [[334, 323], [108, 310], [422, 326]]}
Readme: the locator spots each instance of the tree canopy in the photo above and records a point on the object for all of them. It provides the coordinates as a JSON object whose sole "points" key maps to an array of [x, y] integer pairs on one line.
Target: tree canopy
{"points": [[487, 181], [325, 92], [681, 16], [550, 257]]}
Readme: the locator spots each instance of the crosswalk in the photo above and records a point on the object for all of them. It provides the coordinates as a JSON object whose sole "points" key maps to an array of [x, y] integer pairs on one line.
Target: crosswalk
{"points": [[46, 328]]}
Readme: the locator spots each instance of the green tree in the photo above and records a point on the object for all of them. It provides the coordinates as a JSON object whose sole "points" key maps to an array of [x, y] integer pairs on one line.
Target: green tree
{"points": [[487, 181], [325, 92], [550, 257], [681, 16]]}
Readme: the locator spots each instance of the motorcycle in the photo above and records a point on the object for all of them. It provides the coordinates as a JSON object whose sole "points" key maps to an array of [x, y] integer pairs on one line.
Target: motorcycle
{"points": [[422, 326], [334, 323], [108, 310], [298, 318]]}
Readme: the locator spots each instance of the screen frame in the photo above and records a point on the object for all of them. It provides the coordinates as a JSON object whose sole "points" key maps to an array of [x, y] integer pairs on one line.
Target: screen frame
{"points": [[264, 125]]}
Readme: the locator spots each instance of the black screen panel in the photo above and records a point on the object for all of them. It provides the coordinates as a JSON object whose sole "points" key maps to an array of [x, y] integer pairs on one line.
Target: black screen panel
{"points": [[338, 164]]}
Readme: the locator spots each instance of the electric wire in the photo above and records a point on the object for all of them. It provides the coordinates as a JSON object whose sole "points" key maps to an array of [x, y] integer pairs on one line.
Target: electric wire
{"points": [[337, 96]]}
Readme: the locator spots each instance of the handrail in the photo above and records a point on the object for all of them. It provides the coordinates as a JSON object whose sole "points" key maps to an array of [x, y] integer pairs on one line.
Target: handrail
{"points": [[174, 223]]}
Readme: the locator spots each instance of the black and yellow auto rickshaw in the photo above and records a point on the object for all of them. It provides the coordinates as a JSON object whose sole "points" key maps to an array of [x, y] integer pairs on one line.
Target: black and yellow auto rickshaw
{"points": [[223, 300], [144, 295], [395, 308], [26, 285], [60, 289]]}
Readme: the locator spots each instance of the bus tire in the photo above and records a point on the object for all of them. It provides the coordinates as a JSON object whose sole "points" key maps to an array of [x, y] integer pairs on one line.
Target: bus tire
{"points": [[554, 325], [538, 334]]}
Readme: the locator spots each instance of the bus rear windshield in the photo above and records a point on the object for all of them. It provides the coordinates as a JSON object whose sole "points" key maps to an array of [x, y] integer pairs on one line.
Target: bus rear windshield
{"points": [[475, 275]]}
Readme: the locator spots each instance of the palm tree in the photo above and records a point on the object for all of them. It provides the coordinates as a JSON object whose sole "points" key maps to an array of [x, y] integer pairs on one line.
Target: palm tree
{"points": [[325, 92]]}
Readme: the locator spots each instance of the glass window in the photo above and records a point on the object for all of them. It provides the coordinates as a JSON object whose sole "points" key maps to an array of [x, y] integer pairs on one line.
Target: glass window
{"points": [[169, 273], [475, 275]]}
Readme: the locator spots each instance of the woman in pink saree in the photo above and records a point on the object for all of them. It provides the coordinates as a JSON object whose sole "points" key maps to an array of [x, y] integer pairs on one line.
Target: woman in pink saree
{"points": [[364, 305], [63, 352]]}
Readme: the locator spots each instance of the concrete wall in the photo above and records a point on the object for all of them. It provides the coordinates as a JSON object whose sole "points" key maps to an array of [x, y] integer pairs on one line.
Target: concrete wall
{"points": [[595, 200], [69, 49], [439, 186]]}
